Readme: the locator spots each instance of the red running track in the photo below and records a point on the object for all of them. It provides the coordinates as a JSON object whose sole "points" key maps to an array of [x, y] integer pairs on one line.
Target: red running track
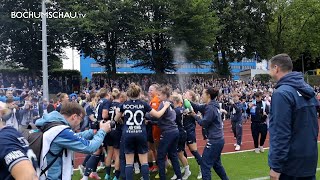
{"points": [[247, 141]]}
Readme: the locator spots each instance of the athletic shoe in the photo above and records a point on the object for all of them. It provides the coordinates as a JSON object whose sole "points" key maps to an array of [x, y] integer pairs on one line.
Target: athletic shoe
{"points": [[115, 178], [235, 144], [137, 171], [168, 164], [158, 176], [136, 168], [107, 177], [143, 179], [261, 149], [186, 175], [237, 148], [94, 175], [199, 175], [101, 168], [174, 177], [182, 169], [81, 169], [257, 150]]}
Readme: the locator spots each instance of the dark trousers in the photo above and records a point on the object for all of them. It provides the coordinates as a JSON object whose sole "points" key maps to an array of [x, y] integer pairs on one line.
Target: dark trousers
{"points": [[211, 158], [168, 145], [237, 131], [258, 129], [286, 177]]}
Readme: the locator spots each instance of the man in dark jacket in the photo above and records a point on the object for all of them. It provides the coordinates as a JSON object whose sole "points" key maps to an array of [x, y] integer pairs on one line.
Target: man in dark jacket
{"points": [[293, 124]]}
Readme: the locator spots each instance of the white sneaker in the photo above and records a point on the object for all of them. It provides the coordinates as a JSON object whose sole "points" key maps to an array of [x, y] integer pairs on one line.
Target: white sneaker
{"points": [[257, 150], [261, 149], [137, 171], [136, 168], [237, 148], [199, 175], [235, 144], [174, 177], [182, 169], [186, 175], [81, 169], [101, 168]]}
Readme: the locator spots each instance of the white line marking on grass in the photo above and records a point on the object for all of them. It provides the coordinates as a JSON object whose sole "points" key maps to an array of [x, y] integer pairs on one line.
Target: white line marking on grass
{"points": [[267, 177]]}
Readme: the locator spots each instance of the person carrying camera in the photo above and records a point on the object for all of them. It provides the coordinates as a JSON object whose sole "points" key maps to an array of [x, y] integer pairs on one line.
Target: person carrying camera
{"points": [[28, 116], [60, 141]]}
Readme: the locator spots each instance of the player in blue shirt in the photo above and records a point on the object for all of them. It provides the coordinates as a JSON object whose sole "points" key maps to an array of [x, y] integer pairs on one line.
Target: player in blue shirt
{"points": [[189, 124], [169, 136], [178, 107], [17, 161], [134, 129], [101, 112], [112, 139]]}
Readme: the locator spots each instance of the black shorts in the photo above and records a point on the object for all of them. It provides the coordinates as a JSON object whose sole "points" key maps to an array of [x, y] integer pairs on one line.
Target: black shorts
{"points": [[113, 139], [191, 136], [182, 140], [136, 143], [149, 133]]}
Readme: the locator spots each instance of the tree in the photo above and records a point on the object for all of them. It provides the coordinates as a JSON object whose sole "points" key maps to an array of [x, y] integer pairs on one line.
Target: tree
{"points": [[102, 33], [163, 25], [243, 31], [295, 30], [20, 39]]}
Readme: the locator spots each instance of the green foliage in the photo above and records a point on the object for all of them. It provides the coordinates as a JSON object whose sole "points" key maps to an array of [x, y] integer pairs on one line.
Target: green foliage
{"points": [[164, 27], [64, 73], [20, 39], [54, 73], [313, 80], [295, 30], [243, 32], [264, 78]]}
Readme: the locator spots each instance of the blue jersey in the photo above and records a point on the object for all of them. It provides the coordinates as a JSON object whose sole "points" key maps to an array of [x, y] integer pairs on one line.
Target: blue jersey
{"points": [[167, 122], [14, 148], [179, 117], [189, 122], [112, 113], [103, 104], [112, 110], [134, 112]]}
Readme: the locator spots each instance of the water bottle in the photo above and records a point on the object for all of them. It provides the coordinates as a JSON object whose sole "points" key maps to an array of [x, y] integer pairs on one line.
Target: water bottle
{"points": [[187, 105]]}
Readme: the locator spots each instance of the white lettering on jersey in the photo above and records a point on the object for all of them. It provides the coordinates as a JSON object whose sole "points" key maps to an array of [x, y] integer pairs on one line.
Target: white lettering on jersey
{"points": [[131, 106], [14, 155]]}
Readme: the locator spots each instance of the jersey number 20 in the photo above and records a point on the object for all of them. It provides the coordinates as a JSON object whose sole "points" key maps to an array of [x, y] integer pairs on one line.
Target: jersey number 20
{"points": [[133, 118]]}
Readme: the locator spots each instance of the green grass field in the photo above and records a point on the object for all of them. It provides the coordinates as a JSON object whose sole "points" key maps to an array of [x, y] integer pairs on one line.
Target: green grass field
{"points": [[239, 166]]}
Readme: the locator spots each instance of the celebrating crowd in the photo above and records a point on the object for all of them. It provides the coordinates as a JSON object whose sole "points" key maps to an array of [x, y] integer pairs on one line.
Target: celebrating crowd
{"points": [[137, 122]]}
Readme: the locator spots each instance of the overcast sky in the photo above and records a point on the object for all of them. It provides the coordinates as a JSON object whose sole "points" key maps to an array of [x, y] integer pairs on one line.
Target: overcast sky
{"points": [[67, 63]]}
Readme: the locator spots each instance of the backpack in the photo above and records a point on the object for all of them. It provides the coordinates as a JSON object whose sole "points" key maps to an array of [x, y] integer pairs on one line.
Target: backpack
{"points": [[34, 135]]}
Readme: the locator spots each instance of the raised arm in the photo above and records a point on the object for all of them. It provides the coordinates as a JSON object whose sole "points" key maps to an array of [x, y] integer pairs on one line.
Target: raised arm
{"points": [[158, 114]]}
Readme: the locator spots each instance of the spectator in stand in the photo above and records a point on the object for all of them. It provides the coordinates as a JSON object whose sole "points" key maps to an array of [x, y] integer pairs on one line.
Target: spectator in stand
{"points": [[12, 119], [63, 98]]}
